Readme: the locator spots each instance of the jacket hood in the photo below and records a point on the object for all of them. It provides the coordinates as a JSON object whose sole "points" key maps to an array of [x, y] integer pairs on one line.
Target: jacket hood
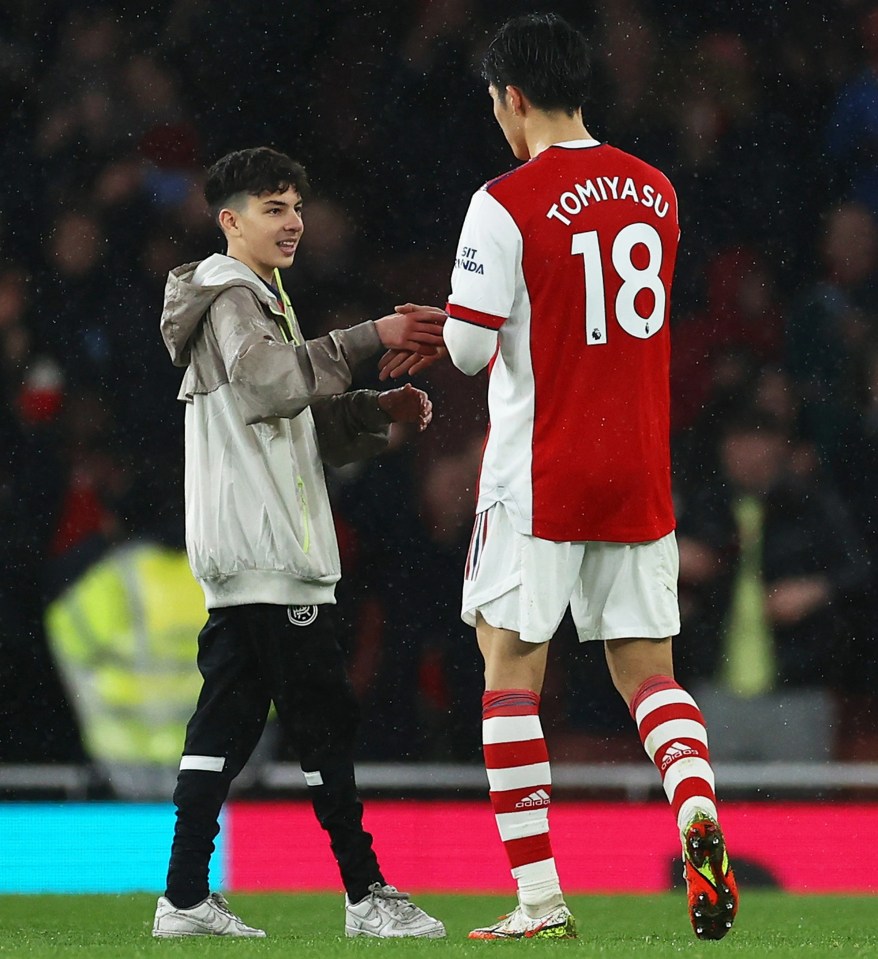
{"points": [[190, 292]]}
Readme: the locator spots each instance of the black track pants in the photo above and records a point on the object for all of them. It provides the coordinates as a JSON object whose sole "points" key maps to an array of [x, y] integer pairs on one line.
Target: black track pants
{"points": [[249, 657]]}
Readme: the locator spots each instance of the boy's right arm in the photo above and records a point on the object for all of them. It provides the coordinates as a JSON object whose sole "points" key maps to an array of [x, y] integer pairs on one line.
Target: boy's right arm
{"points": [[274, 378]]}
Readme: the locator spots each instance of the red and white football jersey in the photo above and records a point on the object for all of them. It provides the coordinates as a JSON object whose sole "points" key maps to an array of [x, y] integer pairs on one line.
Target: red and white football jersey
{"points": [[570, 259]]}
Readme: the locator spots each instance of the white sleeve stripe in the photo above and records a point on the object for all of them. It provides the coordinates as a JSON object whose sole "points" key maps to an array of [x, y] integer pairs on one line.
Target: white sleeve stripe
{"points": [[662, 698], [487, 258]]}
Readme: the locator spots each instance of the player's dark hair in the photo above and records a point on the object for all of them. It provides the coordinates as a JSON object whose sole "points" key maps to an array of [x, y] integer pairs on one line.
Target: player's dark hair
{"points": [[545, 57], [256, 171]]}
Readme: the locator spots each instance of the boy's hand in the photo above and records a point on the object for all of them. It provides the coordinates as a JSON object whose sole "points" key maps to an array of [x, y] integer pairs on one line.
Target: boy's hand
{"points": [[417, 329], [407, 405], [401, 362]]}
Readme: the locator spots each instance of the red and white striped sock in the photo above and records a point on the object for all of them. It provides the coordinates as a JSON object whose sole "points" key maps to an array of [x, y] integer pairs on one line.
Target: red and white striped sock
{"points": [[520, 781], [674, 736]]}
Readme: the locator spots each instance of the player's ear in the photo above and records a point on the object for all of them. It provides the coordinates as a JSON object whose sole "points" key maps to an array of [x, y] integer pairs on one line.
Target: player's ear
{"points": [[516, 100]]}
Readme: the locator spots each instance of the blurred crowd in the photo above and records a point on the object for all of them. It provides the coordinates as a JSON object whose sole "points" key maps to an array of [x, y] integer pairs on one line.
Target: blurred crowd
{"points": [[764, 116]]}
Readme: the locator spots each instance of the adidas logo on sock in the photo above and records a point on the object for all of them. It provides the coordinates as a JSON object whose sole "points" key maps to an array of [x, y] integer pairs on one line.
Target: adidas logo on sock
{"points": [[675, 751], [539, 798]]}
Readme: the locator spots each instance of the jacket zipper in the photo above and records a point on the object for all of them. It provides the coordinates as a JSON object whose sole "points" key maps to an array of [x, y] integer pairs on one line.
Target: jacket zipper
{"points": [[287, 329]]}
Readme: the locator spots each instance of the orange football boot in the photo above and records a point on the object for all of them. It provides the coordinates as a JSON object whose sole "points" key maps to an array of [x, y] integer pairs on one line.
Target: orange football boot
{"points": [[710, 882]]}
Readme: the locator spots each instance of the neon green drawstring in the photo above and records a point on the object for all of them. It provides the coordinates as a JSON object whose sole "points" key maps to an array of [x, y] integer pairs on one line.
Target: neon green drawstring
{"points": [[289, 312]]}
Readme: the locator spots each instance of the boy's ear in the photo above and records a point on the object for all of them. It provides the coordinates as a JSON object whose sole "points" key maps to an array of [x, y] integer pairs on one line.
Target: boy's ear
{"points": [[228, 221]]}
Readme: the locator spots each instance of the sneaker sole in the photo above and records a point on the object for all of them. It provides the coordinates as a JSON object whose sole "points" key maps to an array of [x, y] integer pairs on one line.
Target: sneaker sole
{"points": [[434, 934], [193, 935], [179, 935], [567, 931], [712, 920]]}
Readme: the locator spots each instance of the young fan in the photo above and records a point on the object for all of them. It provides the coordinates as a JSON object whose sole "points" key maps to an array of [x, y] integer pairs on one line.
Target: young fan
{"points": [[265, 409]]}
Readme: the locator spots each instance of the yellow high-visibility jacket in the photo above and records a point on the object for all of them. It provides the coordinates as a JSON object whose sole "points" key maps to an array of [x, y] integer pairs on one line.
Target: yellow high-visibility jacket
{"points": [[124, 637]]}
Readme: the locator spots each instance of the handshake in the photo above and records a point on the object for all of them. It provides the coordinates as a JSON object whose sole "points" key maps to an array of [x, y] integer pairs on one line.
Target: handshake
{"points": [[413, 337]]}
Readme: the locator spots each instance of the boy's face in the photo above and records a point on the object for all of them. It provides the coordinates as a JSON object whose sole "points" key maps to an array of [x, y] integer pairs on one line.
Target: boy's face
{"points": [[264, 232]]}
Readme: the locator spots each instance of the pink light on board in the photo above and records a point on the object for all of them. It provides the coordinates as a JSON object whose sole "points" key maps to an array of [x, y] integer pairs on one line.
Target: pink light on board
{"points": [[599, 847]]}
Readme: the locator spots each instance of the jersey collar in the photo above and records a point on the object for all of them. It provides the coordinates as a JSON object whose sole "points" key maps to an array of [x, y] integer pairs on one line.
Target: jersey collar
{"points": [[577, 144]]}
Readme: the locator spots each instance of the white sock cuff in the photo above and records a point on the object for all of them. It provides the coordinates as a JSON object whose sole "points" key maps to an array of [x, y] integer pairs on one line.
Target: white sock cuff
{"points": [[538, 882], [691, 807]]}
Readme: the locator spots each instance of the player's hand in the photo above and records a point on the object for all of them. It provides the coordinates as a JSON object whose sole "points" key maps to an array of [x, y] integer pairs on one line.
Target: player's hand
{"points": [[417, 329], [396, 363], [407, 405], [416, 307]]}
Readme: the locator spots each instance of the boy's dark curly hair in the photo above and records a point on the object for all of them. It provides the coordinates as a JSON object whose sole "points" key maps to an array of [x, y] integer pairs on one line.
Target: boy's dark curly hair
{"points": [[256, 171]]}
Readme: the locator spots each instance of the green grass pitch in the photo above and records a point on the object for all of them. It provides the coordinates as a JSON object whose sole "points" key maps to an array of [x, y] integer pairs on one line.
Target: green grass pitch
{"points": [[311, 926]]}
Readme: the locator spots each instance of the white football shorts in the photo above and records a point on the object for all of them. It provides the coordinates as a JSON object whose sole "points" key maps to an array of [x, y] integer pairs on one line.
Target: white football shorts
{"points": [[525, 584]]}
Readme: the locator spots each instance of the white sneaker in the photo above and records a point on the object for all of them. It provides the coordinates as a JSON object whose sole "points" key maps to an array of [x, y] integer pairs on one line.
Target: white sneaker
{"points": [[387, 913], [212, 917], [557, 924]]}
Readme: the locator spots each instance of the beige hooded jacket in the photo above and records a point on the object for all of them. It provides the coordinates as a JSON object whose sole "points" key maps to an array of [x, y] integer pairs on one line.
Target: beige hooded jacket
{"points": [[262, 415]]}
